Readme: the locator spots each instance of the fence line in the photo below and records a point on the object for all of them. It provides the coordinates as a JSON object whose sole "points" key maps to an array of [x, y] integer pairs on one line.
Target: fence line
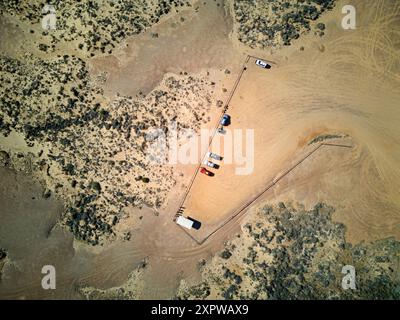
{"points": [[248, 204], [243, 208], [239, 77]]}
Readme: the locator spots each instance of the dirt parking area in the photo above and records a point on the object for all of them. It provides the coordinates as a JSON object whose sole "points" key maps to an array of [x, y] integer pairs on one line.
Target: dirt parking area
{"points": [[258, 146]]}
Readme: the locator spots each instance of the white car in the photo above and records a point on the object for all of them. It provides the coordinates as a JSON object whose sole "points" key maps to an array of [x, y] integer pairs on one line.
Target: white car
{"points": [[214, 156], [210, 164], [262, 64]]}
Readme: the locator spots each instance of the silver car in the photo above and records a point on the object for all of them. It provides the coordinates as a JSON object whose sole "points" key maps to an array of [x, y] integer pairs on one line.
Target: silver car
{"points": [[214, 156]]}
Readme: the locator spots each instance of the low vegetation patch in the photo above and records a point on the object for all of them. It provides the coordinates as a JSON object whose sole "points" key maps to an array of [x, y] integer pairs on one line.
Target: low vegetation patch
{"points": [[288, 252], [265, 23]]}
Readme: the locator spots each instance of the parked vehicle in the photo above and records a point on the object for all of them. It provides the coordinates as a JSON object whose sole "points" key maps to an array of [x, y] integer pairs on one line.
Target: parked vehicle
{"points": [[196, 224], [263, 64], [214, 156], [188, 223], [210, 164], [184, 222], [226, 120], [206, 172]]}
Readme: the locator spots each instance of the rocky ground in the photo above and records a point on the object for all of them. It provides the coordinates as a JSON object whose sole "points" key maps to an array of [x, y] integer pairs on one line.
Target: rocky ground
{"points": [[269, 24], [287, 252]]}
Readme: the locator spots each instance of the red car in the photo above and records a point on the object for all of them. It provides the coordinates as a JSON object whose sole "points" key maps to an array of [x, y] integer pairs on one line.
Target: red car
{"points": [[206, 172]]}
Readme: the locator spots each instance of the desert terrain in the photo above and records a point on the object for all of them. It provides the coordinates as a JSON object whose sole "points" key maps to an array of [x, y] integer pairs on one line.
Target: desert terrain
{"points": [[78, 106]]}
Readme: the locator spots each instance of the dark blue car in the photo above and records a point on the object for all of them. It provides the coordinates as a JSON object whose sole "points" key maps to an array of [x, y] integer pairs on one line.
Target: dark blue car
{"points": [[226, 120]]}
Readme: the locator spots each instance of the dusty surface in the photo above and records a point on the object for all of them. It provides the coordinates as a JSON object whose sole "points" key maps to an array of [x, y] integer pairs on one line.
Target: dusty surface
{"points": [[345, 83], [185, 40]]}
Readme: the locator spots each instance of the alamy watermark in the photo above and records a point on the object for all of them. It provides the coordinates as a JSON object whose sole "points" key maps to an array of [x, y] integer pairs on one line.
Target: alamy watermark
{"points": [[349, 20], [171, 147], [349, 280], [49, 280], [49, 21]]}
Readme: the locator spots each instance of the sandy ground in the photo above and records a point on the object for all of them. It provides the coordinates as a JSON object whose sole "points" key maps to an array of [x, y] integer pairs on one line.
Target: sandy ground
{"points": [[344, 83], [348, 94], [300, 103], [278, 144], [182, 42]]}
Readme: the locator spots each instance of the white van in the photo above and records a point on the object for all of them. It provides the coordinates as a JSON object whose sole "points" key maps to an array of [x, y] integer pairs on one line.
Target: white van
{"points": [[188, 223], [184, 222]]}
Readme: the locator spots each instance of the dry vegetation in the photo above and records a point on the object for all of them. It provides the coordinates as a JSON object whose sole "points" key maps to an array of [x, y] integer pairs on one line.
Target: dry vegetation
{"points": [[268, 24], [92, 151], [288, 252], [92, 27], [86, 148]]}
